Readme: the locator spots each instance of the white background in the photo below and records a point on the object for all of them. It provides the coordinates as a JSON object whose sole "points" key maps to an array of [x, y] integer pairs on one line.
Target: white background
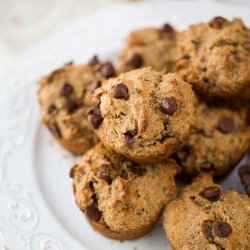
{"points": [[24, 22]]}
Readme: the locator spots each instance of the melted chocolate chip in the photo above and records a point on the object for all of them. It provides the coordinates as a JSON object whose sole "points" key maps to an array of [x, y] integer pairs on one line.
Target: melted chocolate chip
{"points": [[121, 92], [93, 61], [211, 193], [55, 130], [168, 105], [95, 117], [103, 173], [51, 108], [66, 90], [93, 213], [135, 61], [217, 22], [95, 85], [244, 169], [168, 28], [129, 140], [182, 154], [222, 229], [70, 105], [107, 70], [226, 125]]}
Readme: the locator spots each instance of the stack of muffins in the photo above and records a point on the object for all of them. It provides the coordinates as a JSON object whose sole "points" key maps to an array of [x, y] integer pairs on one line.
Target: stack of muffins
{"points": [[177, 106]]}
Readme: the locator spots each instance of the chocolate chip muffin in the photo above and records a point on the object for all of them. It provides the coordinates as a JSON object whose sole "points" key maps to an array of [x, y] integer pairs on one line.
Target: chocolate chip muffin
{"points": [[65, 97], [244, 174], [204, 217], [218, 141], [143, 114], [149, 47], [121, 199], [215, 58]]}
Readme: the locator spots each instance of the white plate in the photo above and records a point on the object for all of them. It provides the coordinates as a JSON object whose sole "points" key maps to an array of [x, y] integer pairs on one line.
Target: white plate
{"points": [[37, 209]]}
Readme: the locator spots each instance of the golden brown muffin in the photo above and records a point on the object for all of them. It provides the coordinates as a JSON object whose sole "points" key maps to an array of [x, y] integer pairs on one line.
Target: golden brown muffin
{"points": [[121, 199], [143, 114], [65, 96], [149, 47], [215, 58], [218, 141], [204, 217]]}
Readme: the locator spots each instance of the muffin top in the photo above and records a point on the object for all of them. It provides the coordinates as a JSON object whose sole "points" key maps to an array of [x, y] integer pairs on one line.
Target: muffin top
{"points": [[149, 47], [143, 114], [119, 193], [65, 96], [217, 142], [204, 217], [215, 58]]}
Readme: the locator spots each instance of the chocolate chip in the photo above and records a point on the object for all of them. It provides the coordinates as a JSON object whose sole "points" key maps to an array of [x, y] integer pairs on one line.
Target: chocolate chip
{"points": [[107, 70], [95, 117], [135, 61], [55, 130], [182, 154], [51, 108], [95, 85], [211, 193], [93, 213], [226, 125], [244, 169], [168, 28], [222, 229], [121, 92], [124, 174], [70, 105], [168, 105], [129, 140], [245, 179], [217, 22], [66, 90], [103, 173], [93, 61], [136, 169]]}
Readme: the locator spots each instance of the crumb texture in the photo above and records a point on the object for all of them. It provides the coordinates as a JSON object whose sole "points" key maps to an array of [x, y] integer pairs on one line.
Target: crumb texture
{"points": [[204, 217], [127, 196], [150, 119]]}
